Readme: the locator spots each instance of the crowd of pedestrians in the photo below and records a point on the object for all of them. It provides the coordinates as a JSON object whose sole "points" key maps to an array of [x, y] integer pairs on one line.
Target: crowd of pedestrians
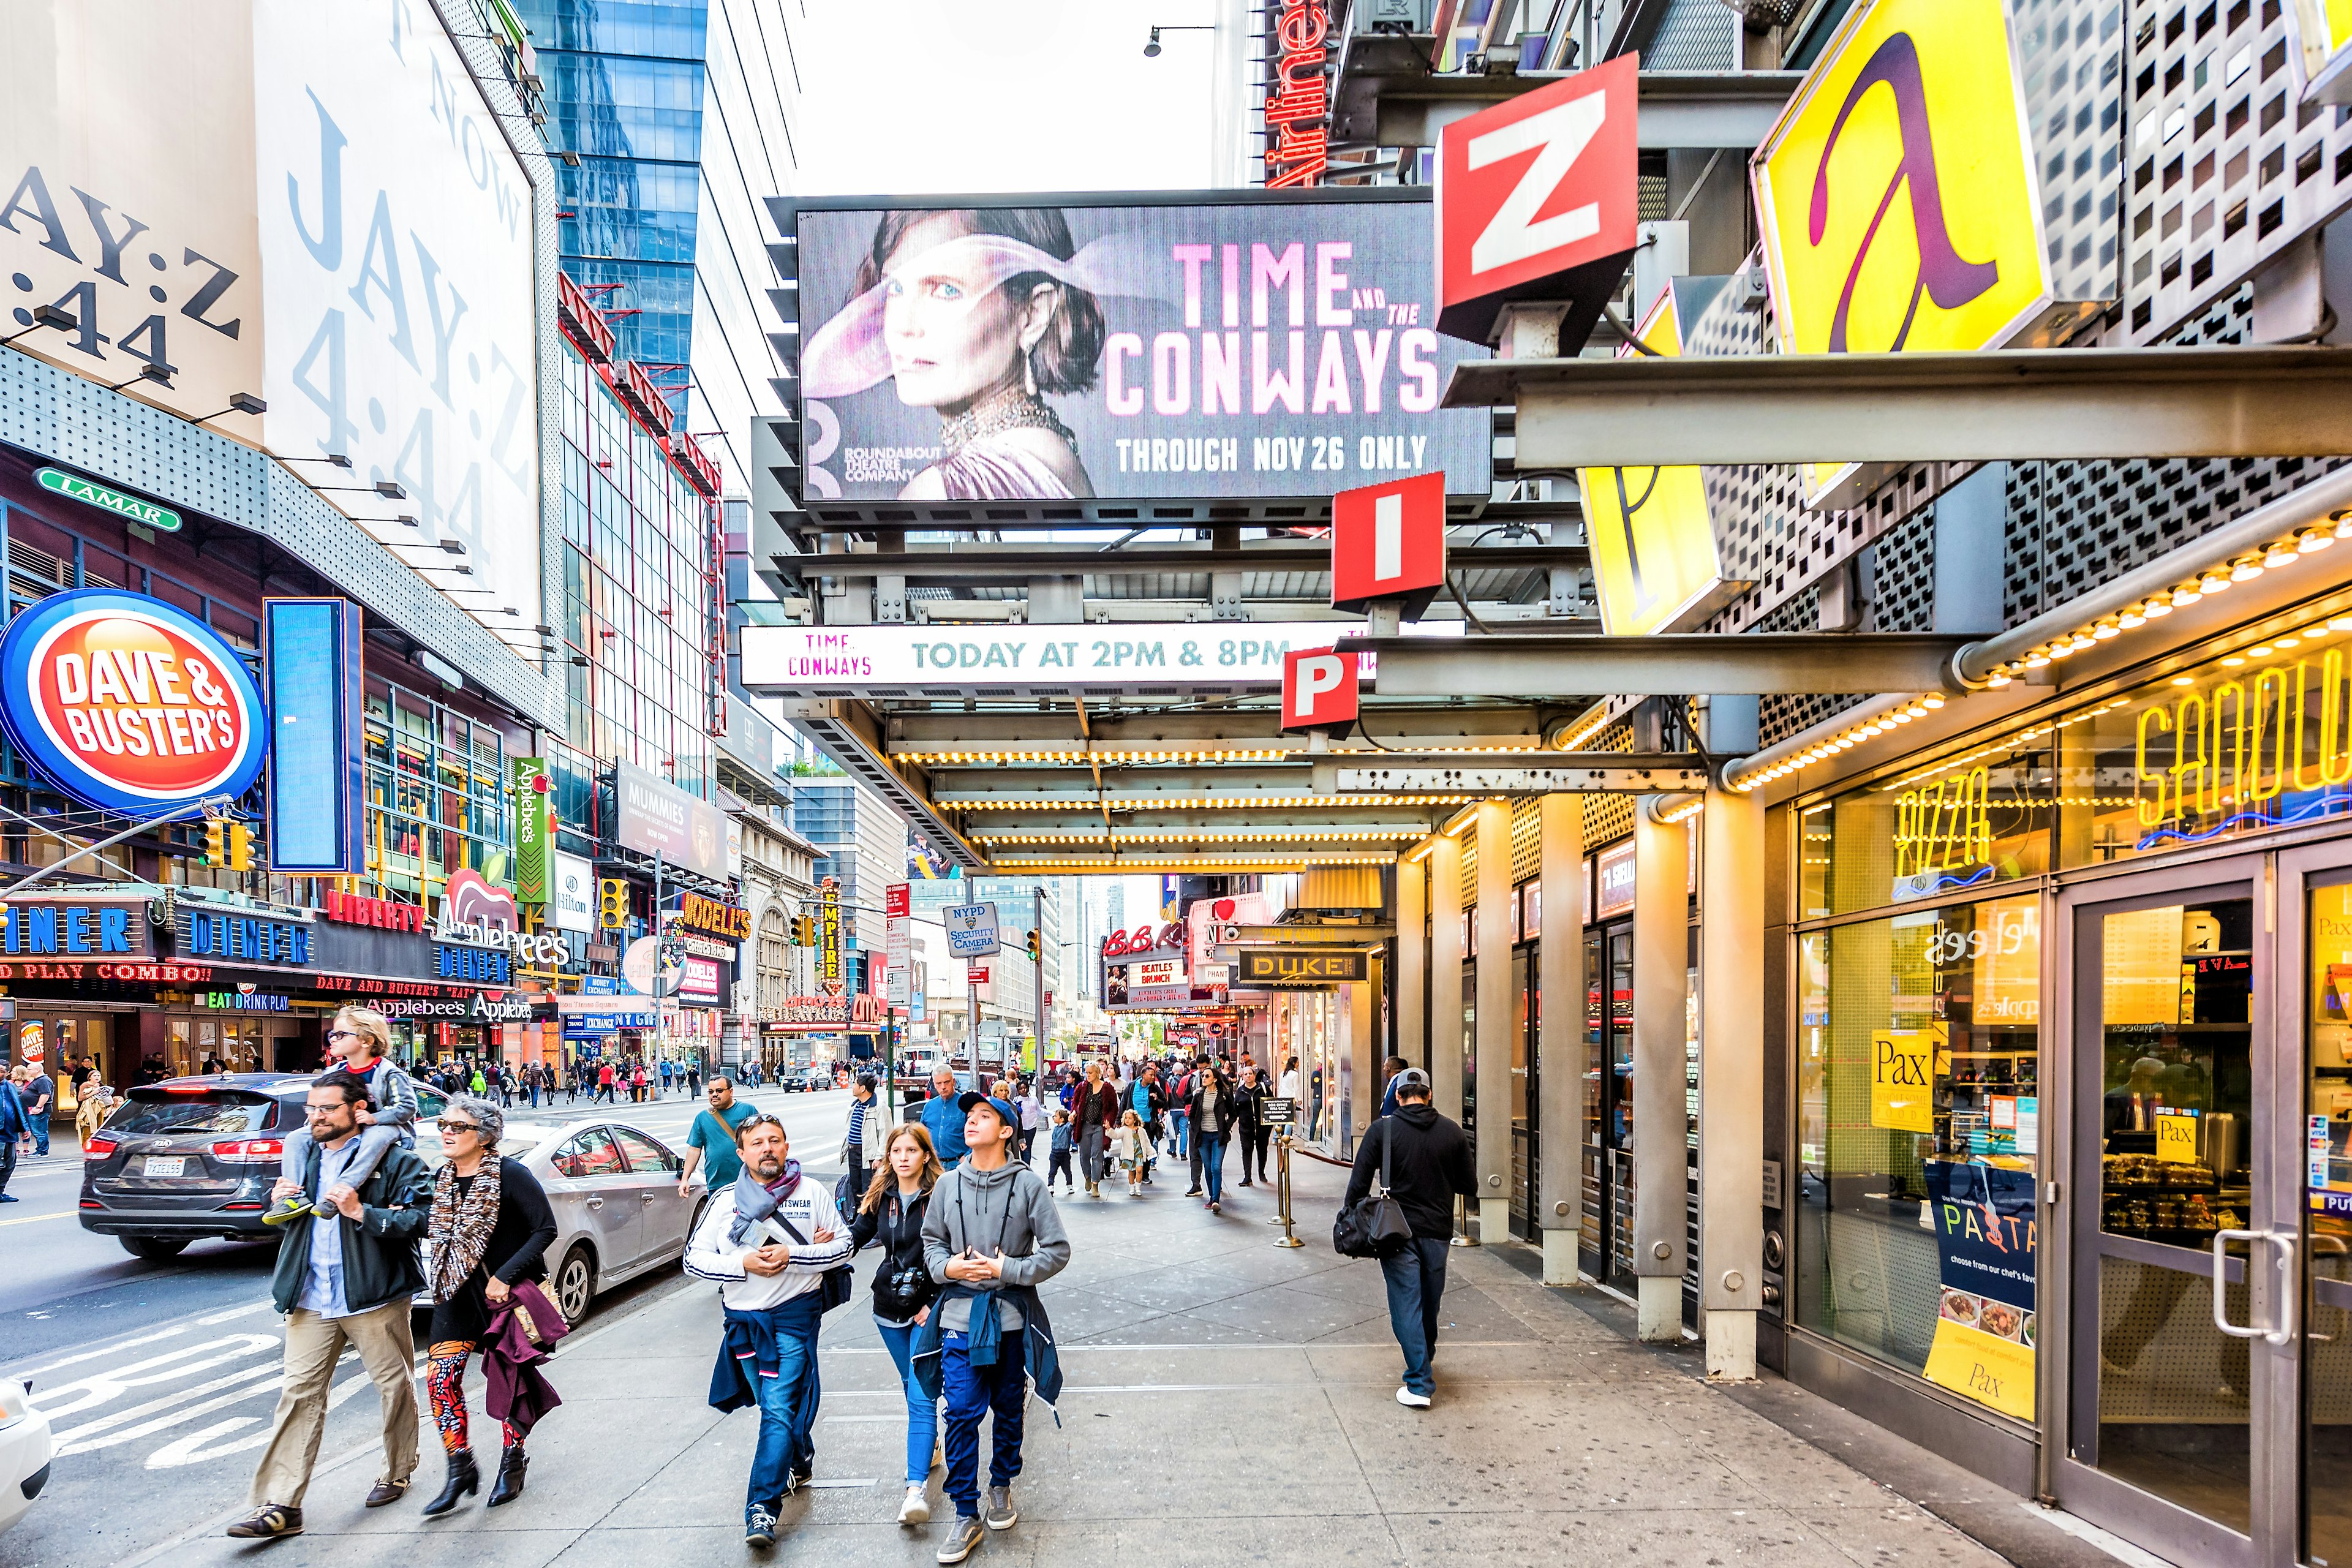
{"points": [[964, 1228]]}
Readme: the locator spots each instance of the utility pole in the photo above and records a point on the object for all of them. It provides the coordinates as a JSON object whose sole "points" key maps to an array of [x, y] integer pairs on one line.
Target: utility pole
{"points": [[972, 999]]}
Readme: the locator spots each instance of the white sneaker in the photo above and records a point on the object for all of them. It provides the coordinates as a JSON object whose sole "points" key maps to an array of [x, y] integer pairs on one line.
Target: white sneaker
{"points": [[1411, 1401], [916, 1509]]}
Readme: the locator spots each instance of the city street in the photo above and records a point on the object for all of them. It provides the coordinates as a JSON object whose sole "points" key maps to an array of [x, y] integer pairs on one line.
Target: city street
{"points": [[160, 1378]]}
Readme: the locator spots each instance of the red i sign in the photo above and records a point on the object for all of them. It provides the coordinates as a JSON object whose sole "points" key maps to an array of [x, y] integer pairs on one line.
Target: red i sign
{"points": [[1539, 187], [1318, 689], [1388, 541]]}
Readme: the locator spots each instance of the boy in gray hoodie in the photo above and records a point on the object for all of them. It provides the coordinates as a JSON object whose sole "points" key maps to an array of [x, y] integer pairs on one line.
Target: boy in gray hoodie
{"points": [[992, 1235]]}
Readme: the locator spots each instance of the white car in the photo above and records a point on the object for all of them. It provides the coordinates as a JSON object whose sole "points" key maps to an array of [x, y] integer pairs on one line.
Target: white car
{"points": [[615, 1191], [25, 1449]]}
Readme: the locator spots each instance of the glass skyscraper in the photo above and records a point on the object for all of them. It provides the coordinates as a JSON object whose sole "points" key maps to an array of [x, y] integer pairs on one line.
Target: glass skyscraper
{"points": [[681, 114]]}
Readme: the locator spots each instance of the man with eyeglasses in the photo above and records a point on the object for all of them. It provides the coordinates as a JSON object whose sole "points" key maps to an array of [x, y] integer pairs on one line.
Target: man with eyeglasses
{"points": [[344, 1281], [360, 1040]]}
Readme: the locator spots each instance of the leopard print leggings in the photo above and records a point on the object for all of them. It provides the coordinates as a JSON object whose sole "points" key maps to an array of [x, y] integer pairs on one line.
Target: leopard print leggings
{"points": [[445, 1383]]}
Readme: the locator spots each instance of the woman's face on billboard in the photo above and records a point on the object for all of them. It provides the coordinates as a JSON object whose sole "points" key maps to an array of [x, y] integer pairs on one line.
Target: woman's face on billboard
{"points": [[954, 335]]}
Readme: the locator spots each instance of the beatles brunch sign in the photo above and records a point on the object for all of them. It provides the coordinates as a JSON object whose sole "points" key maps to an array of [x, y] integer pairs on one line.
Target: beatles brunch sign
{"points": [[128, 704]]}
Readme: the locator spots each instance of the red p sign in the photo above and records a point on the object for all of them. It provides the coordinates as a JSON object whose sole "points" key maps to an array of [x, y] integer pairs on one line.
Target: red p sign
{"points": [[1388, 541], [1318, 689], [1542, 184]]}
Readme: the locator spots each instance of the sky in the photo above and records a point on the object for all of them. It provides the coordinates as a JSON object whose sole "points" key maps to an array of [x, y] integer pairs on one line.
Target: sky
{"points": [[982, 95]]}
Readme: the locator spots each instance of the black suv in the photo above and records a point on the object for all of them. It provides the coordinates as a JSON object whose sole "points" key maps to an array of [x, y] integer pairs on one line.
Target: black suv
{"points": [[193, 1158]]}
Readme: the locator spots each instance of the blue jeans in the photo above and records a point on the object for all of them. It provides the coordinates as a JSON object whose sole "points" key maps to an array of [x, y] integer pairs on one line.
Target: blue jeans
{"points": [[1183, 1135], [40, 1120], [1212, 1164], [787, 1403], [922, 1414], [1416, 1282], [973, 1391]]}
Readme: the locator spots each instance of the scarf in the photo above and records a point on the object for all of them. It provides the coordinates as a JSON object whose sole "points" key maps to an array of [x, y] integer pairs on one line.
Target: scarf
{"points": [[464, 1224], [754, 1204]]}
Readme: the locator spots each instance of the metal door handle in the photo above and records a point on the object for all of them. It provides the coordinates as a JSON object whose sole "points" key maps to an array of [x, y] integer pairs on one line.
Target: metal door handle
{"points": [[2282, 1332], [648, 1197], [595, 1203], [2221, 1240]]}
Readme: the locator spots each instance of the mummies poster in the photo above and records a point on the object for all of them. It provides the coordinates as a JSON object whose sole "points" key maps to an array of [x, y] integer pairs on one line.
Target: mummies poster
{"points": [[990, 351]]}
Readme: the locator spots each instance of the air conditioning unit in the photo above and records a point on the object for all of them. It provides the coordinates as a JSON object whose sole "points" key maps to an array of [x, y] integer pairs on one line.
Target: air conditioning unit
{"points": [[1403, 18]]}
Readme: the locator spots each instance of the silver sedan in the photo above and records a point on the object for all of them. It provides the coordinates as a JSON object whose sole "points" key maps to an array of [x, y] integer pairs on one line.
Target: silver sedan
{"points": [[614, 1190]]}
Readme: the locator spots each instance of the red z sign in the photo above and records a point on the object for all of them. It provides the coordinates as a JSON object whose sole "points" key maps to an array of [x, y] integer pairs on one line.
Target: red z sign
{"points": [[1534, 188]]}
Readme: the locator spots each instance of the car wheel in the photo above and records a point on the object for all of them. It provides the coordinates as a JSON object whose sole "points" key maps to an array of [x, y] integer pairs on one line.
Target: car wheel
{"points": [[575, 1283], [154, 1248]]}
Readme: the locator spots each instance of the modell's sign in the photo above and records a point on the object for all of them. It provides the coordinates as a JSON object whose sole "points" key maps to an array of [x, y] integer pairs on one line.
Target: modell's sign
{"points": [[715, 916], [128, 704]]}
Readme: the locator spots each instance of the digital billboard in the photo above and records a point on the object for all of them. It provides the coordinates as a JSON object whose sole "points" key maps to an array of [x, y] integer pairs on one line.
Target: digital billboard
{"points": [[1046, 348]]}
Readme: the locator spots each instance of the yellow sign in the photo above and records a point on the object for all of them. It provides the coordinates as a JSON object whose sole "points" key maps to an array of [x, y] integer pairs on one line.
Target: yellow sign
{"points": [[1654, 566], [2175, 1137], [2326, 27], [1903, 1078], [1988, 1368], [1897, 197]]}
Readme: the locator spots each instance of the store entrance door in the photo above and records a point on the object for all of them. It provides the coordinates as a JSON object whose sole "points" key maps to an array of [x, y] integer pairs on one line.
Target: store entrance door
{"points": [[2180, 1355], [1605, 1247]]}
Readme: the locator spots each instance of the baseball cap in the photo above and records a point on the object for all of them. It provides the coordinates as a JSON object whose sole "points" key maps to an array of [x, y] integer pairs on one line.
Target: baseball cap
{"points": [[973, 1097], [1411, 1079]]}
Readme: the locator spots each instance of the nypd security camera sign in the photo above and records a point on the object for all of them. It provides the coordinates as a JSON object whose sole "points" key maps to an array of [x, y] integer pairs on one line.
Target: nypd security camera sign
{"points": [[128, 704]]}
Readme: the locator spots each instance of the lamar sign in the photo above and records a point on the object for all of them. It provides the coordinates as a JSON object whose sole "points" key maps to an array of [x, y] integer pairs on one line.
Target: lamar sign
{"points": [[1289, 968]]}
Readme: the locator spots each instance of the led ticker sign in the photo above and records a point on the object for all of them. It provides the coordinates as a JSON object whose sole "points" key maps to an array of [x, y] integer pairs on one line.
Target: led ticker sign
{"points": [[1298, 143]]}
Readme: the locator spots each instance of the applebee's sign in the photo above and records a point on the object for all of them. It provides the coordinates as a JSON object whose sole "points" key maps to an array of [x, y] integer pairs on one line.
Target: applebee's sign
{"points": [[128, 704]]}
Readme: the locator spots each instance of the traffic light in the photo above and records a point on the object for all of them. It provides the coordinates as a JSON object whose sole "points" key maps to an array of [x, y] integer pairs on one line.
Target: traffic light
{"points": [[804, 931], [613, 912], [1033, 947], [240, 847], [215, 842]]}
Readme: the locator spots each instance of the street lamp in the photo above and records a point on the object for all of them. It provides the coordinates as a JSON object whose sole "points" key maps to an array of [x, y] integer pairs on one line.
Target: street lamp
{"points": [[1151, 45]]}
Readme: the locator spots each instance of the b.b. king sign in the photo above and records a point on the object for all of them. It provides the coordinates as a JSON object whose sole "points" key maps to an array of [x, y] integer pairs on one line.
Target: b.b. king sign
{"points": [[128, 704]]}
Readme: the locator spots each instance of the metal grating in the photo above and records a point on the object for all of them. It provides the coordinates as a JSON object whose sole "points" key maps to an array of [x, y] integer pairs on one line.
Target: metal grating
{"points": [[1527, 838], [2227, 168], [1695, 35]]}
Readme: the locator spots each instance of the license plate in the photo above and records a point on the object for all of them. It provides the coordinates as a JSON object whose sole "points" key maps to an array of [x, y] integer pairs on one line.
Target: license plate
{"points": [[165, 1166]]}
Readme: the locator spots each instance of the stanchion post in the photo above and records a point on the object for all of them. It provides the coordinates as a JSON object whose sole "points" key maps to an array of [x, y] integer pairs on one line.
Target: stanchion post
{"points": [[1282, 1172], [1461, 1233]]}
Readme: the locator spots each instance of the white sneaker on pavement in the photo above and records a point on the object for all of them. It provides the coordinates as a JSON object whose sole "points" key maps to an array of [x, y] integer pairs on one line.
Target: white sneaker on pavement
{"points": [[916, 1509], [1411, 1401]]}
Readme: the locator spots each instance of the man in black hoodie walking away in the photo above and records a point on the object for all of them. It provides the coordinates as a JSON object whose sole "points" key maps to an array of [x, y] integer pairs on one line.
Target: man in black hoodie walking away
{"points": [[1428, 1164]]}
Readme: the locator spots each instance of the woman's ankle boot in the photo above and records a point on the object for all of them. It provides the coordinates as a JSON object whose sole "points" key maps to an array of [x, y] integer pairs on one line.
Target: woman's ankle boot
{"points": [[508, 1485], [464, 1478]]}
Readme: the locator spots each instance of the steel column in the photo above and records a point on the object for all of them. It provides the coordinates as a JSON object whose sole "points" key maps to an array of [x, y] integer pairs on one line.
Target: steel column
{"points": [[1560, 1038], [1660, 1125], [1444, 864], [1364, 1056], [1412, 961], [1731, 1079], [1497, 1018]]}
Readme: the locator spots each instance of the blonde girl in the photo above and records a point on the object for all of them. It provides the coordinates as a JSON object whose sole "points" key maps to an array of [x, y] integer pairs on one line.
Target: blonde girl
{"points": [[1132, 1146]]}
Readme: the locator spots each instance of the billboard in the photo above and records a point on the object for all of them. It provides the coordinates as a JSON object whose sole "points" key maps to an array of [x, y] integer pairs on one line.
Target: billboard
{"points": [[659, 819], [316, 696], [311, 203], [1140, 347]]}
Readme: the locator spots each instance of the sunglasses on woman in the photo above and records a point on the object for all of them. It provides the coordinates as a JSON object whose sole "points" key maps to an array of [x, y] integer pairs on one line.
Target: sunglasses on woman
{"points": [[450, 1127]]}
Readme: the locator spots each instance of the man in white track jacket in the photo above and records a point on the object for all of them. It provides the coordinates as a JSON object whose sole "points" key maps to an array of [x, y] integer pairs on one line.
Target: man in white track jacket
{"points": [[769, 1241]]}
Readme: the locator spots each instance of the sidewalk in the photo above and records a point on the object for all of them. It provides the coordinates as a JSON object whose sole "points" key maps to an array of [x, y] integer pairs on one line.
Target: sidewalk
{"points": [[1226, 1401]]}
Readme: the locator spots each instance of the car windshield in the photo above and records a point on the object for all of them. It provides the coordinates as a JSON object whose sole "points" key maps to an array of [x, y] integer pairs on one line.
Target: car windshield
{"points": [[157, 1111]]}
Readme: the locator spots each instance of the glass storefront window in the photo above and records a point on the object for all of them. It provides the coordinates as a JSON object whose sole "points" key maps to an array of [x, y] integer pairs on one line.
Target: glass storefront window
{"points": [[1961, 824], [1918, 1065], [2244, 743]]}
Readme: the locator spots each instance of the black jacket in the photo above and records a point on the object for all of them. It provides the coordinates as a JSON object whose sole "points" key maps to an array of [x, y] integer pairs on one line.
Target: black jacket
{"points": [[1247, 1099], [516, 1251], [1228, 1113], [901, 1239], [379, 1247], [1429, 1163], [1096, 1108]]}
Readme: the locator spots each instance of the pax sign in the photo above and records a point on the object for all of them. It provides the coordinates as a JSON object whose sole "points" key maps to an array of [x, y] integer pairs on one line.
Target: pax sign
{"points": [[1388, 541], [128, 704], [1537, 199], [1318, 689]]}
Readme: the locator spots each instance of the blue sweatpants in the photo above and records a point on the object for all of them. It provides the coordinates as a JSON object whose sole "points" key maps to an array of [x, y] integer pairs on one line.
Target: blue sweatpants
{"points": [[972, 1391]]}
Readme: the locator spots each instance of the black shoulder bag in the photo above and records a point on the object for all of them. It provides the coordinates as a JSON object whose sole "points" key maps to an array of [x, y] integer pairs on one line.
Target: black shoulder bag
{"points": [[1374, 1226], [833, 1285]]}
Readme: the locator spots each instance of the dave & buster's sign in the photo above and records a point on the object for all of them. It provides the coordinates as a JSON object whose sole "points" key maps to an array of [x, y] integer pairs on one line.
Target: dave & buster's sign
{"points": [[128, 704], [1277, 343]]}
